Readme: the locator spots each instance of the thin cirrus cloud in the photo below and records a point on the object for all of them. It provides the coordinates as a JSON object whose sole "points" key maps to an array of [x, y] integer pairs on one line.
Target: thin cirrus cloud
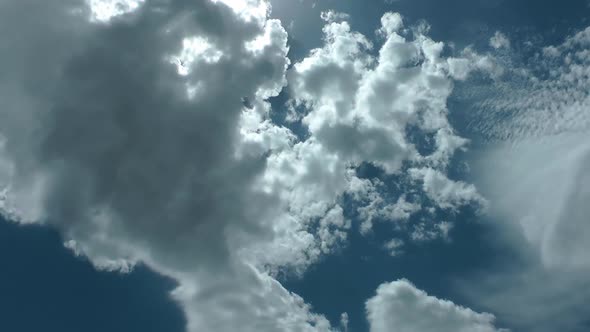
{"points": [[536, 126], [532, 165], [125, 127]]}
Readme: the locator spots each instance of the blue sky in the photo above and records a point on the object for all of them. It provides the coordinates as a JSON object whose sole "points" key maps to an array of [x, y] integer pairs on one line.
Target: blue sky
{"points": [[187, 165], [45, 287]]}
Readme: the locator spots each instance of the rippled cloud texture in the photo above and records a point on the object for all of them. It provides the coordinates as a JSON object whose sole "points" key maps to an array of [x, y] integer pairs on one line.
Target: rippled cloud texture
{"points": [[533, 166]]}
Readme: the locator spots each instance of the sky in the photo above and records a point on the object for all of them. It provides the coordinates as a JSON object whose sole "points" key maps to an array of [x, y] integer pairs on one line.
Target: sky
{"points": [[305, 165]]}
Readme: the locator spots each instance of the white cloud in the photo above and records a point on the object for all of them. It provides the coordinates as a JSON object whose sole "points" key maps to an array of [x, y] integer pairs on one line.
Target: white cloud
{"points": [[394, 247], [470, 61], [358, 108], [533, 168], [399, 306], [332, 16], [441, 230], [375, 206], [499, 40], [546, 100], [105, 10], [224, 304], [391, 23], [344, 321], [447, 194]]}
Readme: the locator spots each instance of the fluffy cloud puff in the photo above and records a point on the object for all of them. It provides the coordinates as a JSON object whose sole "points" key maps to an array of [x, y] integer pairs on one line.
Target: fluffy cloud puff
{"points": [[400, 306], [363, 108]]}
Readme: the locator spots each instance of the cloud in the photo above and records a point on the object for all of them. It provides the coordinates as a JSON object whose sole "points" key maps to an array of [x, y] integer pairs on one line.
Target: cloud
{"points": [[105, 10], [344, 321], [142, 133], [447, 194], [533, 298], [400, 306], [359, 108], [332, 16], [532, 166], [374, 205], [136, 157], [499, 40], [545, 100]]}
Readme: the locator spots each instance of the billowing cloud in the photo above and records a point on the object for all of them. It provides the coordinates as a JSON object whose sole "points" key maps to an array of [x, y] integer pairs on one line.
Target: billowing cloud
{"points": [[141, 131], [362, 108], [400, 306]]}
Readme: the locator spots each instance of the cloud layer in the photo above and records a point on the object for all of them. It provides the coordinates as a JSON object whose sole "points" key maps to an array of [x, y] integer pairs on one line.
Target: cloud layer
{"points": [[535, 130], [537, 126]]}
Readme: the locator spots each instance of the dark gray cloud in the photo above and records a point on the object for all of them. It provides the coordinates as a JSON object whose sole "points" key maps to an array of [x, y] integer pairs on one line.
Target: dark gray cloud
{"points": [[102, 141], [118, 135]]}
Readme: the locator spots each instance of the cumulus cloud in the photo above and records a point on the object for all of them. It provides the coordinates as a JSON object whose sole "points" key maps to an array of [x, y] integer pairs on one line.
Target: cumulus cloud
{"points": [[136, 157], [400, 306], [362, 108], [104, 10]]}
